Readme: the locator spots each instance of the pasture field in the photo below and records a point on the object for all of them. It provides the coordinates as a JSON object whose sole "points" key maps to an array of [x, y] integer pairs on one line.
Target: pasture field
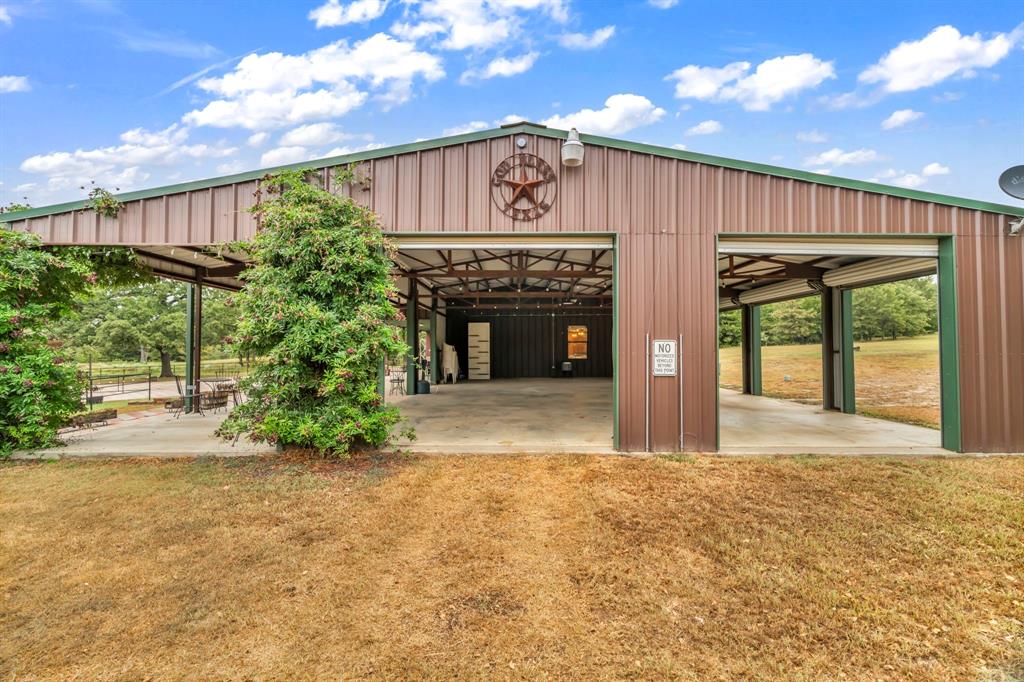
{"points": [[896, 380]]}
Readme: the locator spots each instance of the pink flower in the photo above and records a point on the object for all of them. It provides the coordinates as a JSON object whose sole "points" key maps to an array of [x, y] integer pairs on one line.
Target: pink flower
{"points": [[58, 361], [91, 278], [351, 351], [27, 383]]}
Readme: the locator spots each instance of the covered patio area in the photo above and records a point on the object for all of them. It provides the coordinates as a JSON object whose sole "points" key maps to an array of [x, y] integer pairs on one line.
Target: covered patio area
{"points": [[752, 424], [511, 416]]}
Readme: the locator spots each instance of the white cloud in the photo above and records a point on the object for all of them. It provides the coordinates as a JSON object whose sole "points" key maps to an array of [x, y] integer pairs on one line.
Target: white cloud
{"points": [[621, 113], [584, 41], [463, 24], [902, 178], [231, 167], [121, 165], [935, 168], [280, 156], [680, 147], [273, 89], [813, 136], [772, 81], [704, 82], [313, 135], [899, 178], [333, 13], [838, 157], [141, 40], [14, 84], [901, 117], [943, 53], [663, 4], [947, 96], [257, 139], [501, 67], [511, 118], [342, 151], [465, 128], [709, 127], [5, 16]]}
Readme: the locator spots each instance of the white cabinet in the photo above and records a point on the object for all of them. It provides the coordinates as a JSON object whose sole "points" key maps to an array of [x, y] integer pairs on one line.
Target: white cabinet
{"points": [[479, 350]]}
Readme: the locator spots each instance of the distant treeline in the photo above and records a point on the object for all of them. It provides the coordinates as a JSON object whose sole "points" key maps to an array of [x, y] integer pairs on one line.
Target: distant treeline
{"points": [[884, 311]]}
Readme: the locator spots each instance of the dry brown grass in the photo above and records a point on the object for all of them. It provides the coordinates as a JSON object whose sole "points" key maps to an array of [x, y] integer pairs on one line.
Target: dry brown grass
{"points": [[513, 567], [897, 380]]}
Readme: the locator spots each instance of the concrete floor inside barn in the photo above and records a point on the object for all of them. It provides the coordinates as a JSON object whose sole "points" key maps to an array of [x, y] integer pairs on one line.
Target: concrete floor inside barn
{"points": [[537, 416], [575, 415]]}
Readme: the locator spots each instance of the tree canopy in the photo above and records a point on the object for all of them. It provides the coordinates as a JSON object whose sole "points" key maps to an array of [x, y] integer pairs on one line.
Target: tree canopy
{"points": [[39, 387], [882, 311], [129, 322]]}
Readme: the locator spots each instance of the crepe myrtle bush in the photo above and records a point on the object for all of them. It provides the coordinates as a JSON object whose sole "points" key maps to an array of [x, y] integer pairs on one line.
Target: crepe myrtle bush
{"points": [[39, 388], [316, 305]]}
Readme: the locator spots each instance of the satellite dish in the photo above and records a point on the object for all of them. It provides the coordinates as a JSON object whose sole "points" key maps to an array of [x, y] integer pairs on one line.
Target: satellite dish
{"points": [[1012, 182]]}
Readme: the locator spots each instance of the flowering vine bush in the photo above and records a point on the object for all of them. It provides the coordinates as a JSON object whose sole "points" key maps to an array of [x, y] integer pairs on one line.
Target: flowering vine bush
{"points": [[315, 304], [39, 388]]}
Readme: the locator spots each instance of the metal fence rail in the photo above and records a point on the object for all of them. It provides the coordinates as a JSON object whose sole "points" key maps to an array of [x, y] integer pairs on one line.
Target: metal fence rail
{"points": [[116, 383]]}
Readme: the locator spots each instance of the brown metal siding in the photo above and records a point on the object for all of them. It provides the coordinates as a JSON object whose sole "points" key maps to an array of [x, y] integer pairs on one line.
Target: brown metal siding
{"points": [[667, 213]]}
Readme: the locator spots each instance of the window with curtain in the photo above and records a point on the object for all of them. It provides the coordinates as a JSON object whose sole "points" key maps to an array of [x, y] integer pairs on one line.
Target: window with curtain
{"points": [[577, 342]]}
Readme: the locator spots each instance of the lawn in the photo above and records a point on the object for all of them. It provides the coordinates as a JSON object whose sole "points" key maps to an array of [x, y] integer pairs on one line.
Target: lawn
{"points": [[513, 567], [896, 380]]}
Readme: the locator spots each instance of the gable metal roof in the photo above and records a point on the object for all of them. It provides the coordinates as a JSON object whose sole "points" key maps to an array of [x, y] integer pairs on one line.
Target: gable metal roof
{"points": [[541, 131]]}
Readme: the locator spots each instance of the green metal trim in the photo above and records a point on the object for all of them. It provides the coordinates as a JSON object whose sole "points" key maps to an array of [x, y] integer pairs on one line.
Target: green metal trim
{"points": [[718, 360], [190, 342], [412, 337], [876, 236], [846, 351], [615, 341], [541, 131], [435, 366], [828, 356], [949, 351], [755, 350]]}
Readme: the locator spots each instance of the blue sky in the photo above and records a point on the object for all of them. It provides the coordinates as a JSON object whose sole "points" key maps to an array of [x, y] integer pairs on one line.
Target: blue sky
{"points": [[139, 94]]}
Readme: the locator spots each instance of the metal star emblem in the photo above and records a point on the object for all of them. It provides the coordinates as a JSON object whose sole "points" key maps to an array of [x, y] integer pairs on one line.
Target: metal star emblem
{"points": [[523, 187]]}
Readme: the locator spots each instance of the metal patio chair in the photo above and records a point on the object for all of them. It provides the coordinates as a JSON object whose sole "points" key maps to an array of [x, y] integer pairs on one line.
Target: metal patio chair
{"points": [[185, 393]]}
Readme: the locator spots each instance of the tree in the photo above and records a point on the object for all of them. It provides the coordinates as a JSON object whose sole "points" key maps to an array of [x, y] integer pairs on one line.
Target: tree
{"points": [[906, 308], [730, 332], [39, 388], [126, 323], [792, 322], [316, 306]]}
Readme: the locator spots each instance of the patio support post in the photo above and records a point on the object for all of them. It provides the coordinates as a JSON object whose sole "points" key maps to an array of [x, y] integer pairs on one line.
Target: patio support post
{"points": [[190, 335], [435, 365], [837, 350], [750, 323], [193, 337], [412, 336], [846, 351]]}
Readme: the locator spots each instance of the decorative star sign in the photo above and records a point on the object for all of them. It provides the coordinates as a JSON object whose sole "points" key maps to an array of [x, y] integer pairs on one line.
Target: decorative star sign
{"points": [[524, 187], [532, 184]]}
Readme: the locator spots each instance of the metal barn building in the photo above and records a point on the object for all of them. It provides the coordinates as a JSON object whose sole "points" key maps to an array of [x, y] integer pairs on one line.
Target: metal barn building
{"points": [[613, 271]]}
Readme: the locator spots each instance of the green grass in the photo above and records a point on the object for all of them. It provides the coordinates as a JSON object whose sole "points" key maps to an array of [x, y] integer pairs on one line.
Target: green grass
{"points": [[897, 380]]}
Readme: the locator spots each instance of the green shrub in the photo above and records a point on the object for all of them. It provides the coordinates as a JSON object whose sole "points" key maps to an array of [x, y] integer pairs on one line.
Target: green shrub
{"points": [[316, 305]]}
